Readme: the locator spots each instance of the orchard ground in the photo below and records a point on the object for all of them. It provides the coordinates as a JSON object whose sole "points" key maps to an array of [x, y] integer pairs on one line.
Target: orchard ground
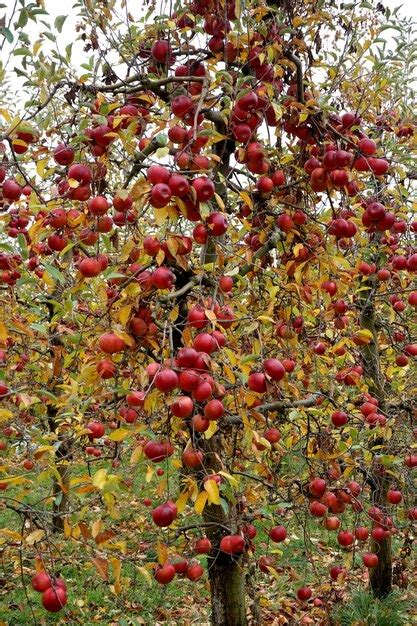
{"points": [[93, 600]]}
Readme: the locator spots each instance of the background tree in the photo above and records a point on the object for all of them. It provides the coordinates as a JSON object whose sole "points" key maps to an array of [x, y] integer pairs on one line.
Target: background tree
{"points": [[208, 324]]}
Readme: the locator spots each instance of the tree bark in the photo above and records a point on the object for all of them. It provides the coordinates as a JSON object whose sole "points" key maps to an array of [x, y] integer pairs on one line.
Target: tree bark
{"points": [[228, 606], [226, 573], [61, 489], [380, 577]]}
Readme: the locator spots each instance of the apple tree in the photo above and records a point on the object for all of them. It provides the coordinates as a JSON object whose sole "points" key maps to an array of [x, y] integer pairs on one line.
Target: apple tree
{"points": [[208, 261]]}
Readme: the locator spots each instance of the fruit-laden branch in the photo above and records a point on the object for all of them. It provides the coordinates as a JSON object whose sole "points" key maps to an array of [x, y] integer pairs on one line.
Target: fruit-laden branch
{"points": [[245, 269], [299, 72], [288, 404], [278, 404], [259, 254]]}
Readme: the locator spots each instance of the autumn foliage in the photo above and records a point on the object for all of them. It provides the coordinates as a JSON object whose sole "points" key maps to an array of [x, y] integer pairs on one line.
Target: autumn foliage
{"points": [[208, 326]]}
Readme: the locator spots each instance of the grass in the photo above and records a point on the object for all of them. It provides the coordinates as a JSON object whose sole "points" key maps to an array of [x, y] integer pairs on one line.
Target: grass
{"points": [[362, 608], [93, 600]]}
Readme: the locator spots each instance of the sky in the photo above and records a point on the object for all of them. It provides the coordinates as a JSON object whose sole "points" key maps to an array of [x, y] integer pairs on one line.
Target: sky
{"points": [[56, 8]]}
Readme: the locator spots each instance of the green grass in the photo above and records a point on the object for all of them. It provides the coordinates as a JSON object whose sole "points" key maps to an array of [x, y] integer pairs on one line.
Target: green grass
{"points": [[362, 608], [93, 601]]}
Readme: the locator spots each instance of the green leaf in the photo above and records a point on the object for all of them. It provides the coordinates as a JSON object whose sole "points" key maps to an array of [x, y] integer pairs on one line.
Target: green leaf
{"points": [[55, 273], [59, 22], [22, 52], [7, 34], [23, 18], [21, 240]]}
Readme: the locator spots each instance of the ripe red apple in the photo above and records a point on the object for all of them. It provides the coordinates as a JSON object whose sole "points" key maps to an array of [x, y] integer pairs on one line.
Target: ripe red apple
{"points": [[192, 458], [361, 533], [111, 343], [318, 509], [90, 267], [163, 278], [202, 545], [339, 418], [257, 382], [97, 430], [194, 571], [165, 573], [41, 581], [232, 544], [200, 423], [106, 369], [336, 571], [204, 342], [370, 559], [317, 487], [272, 435], [63, 154], [54, 599], [164, 514], [304, 593], [217, 223], [213, 410], [274, 369], [278, 533], [394, 496], [332, 523], [345, 538]]}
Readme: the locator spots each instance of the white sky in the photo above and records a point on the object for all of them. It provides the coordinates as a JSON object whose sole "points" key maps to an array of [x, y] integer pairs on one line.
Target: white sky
{"points": [[59, 7]]}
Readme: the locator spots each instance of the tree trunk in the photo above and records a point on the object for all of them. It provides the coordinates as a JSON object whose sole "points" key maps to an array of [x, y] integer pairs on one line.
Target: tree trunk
{"points": [[380, 577], [227, 593], [226, 573], [61, 489]]}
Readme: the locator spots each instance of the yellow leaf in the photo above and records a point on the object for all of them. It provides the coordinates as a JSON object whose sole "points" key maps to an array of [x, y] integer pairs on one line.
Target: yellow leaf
{"points": [[266, 318], [42, 450], [246, 198], [208, 434], [5, 414], [145, 574], [3, 332], [35, 536], [274, 572], [124, 314], [117, 568], [67, 528], [136, 454], [48, 280], [23, 328], [100, 478], [162, 552], [14, 480], [41, 166], [96, 528], [118, 435], [229, 374], [160, 215], [4, 113], [364, 335], [219, 201], [232, 479], [200, 503], [212, 489], [129, 341], [11, 533], [210, 315], [149, 473], [182, 500], [160, 257]]}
